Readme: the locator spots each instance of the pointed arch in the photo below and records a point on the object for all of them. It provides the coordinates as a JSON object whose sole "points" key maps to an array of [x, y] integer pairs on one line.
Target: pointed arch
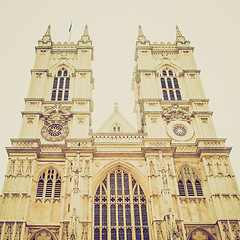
{"points": [[168, 82], [62, 64], [122, 165], [170, 65], [189, 182], [120, 206], [43, 234], [198, 231]]}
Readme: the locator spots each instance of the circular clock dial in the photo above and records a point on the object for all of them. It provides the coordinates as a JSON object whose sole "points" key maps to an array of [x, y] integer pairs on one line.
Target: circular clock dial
{"points": [[55, 131], [180, 131]]}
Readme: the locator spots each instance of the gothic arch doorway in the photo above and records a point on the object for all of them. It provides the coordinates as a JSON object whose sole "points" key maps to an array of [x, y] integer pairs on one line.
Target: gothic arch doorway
{"points": [[120, 208], [43, 235]]}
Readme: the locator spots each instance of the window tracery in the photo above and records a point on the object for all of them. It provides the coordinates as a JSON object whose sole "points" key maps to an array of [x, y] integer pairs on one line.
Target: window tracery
{"points": [[49, 184], [61, 85], [120, 208], [170, 85], [188, 183]]}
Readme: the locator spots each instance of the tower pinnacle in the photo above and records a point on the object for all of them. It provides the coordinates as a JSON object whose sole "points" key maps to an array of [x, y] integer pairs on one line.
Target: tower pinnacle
{"points": [[141, 38], [85, 37], [47, 36], [179, 37]]}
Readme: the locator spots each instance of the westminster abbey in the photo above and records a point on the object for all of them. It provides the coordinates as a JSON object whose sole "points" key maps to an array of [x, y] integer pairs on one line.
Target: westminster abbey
{"points": [[168, 178]]}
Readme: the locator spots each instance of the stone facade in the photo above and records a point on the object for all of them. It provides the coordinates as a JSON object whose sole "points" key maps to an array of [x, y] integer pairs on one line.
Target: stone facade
{"points": [[169, 179]]}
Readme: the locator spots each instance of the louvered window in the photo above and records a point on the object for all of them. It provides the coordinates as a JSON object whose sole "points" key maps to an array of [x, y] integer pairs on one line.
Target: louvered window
{"points": [[188, 183], [49, 184], [170, 85], [61, 84]]}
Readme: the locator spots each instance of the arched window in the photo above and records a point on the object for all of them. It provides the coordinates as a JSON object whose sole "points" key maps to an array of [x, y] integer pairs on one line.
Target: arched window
{"points": [[116, 128], [172, 97], [188, 183], [198, 188], [61, 82], [163, 83], [168, 80], [49, 184], [179, 97], [181, 188], [165, 95], [120, 208]]}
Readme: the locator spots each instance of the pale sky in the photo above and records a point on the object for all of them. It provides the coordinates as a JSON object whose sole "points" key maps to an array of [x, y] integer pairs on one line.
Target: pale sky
{"points": [[213, 27]]}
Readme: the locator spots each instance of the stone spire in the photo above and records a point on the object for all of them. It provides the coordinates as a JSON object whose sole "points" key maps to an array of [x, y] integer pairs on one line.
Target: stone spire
{"points": [[179, 37], [141, 38], [47, 36], [85, 37]]}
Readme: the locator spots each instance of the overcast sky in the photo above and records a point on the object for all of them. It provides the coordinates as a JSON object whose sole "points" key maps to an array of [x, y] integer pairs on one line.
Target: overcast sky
{"points": [[213, 27]]}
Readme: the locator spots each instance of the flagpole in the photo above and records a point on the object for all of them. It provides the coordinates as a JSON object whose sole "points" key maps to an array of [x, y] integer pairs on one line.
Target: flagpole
{"points": [[70, 32]]}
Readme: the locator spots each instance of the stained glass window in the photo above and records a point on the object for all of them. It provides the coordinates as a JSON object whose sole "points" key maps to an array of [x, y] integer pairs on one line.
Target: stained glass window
{"points": [[120, 211]]}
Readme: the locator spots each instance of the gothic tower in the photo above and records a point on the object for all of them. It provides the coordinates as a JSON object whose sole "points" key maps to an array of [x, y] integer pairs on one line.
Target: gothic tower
{"points": [[169, 179]]}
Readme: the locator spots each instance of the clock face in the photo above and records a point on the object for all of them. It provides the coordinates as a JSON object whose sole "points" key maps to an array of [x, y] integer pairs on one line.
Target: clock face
{"points": [[55, 131], [180, 130]]}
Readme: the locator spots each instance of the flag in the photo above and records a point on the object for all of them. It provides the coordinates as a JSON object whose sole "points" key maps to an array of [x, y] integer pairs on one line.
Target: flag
{"points": [[70, 28]]}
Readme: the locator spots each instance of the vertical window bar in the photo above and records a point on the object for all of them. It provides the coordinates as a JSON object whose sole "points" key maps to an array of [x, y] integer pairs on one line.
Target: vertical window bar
{"points": [[169, 82], [96, 234], [113, 234], [165, 95], [136, 215], [53, 97], [49, 188], [179, 97], [175, 81], [66, 95], [172, 97], [129, 234], [60, 95], [104, 234], [190, 188], [163, 83], [67, 84], [120, 215], [119, 184], [113, 215], [104, 215], [61, 83], [96, 215], [138, 234], [112, 184], [126, 184], [144, 215], [55, 82]]}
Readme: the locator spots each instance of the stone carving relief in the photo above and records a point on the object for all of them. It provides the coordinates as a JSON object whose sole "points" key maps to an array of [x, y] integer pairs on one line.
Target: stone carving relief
{"points": [[171, 227], [57, 112], [226, 231], [235, 230], [176, 112], [8, 231], [18, 231], [65, 232], [43, 235], [217, 166], [84, 235], [199, 234]]}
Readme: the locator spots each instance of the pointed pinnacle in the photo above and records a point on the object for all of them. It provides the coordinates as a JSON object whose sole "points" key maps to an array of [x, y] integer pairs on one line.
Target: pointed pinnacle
{"points": [[48, 32], [47, 36], [86, 31], [178, 33], [140, 32]]}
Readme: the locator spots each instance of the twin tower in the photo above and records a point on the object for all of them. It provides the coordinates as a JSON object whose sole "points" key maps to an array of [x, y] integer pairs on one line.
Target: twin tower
{"points": [[168, 178]]}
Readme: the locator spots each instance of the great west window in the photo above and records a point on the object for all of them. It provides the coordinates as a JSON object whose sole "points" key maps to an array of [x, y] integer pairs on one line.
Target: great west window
{"points": [[120, 209]]}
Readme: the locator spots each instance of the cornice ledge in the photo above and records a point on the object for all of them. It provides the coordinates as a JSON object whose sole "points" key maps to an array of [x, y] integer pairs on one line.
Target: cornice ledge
{"points": [[204, 112], [193, 100], [39, 70], [84, 70], [185, 47], [30, 113], [33, 99]]}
